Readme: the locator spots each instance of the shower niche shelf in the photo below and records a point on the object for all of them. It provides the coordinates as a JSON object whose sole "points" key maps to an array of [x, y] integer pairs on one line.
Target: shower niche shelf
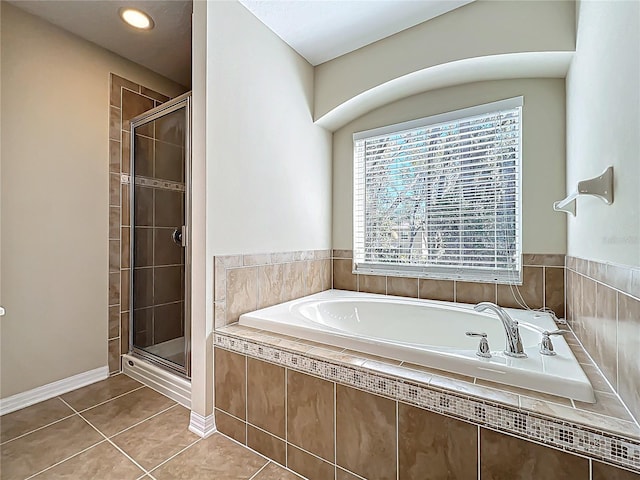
{"points": [[600, 186]]}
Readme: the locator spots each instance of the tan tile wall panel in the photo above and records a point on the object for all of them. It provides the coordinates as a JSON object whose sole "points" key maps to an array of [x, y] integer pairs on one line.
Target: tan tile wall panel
{"points": [[126, 99], [542, 286], [243, 283], [368, 421], [265, 396], [231, 426], [310, 399], [602, 471], [363, 445], [230, 383], [267, 444], [603, 309], [503, 456], [442, 446], [629, 352]]}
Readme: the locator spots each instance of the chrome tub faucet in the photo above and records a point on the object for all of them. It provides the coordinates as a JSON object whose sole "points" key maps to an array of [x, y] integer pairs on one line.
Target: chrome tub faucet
{"points": [[513, 346]]}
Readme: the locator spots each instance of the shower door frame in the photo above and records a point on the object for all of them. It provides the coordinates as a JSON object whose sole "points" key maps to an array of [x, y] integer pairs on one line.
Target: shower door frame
{"points": [[183, 101]]}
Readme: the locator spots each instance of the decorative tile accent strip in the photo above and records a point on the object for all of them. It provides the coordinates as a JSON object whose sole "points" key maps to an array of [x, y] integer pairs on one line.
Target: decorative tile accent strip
{"points": [[164, 184], [547, 430], [125, 179]]}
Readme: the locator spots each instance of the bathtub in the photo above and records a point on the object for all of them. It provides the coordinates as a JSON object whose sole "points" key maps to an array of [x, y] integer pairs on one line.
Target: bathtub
{"points": [[430, 333]]}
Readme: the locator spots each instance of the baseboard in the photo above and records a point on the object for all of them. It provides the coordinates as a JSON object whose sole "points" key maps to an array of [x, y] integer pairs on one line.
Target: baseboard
{"points": [[50, 390], [202, 426]]}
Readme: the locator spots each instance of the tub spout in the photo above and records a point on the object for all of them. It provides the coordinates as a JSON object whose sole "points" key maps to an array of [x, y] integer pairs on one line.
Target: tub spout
{"points": [[514, 342]]}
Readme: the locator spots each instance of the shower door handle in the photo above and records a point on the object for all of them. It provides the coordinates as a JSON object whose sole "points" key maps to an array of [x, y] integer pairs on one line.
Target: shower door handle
{"points": [[179, 236]]}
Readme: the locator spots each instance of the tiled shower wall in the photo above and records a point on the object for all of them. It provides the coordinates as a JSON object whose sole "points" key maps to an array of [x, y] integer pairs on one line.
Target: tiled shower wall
{"points": [[326, 430], [543, 284], [603, 308], [127, 99], [244, 283]]}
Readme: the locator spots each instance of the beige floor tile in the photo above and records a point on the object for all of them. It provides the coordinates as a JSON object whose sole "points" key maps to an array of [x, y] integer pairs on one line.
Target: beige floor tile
{"points": [[216, 457], [275, 472], [123, 412], [103, 462], [38, 450], [23, 421], [154, 441], [99, 392]]}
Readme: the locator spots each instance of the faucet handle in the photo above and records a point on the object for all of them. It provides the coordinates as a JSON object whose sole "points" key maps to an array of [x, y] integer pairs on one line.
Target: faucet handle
{"points": [[546, 346], [483, 347]]}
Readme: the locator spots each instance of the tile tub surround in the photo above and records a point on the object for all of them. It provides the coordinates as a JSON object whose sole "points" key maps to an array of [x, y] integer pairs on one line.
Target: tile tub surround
{"points": [[126, 100], [244, 283], [543, 284], [603, 309], [314, 374], [72, 436]]}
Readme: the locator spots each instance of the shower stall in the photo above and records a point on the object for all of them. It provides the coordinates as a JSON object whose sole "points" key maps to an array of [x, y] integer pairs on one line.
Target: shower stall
{"points": [[159, 323]]}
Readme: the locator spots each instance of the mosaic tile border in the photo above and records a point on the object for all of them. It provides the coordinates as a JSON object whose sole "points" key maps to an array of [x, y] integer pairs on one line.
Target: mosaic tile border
{"points": [[549, 431], [153, 182]]}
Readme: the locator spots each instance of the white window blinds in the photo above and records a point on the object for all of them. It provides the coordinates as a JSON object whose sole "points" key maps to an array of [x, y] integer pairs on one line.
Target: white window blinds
{"points": [[440, 196]]}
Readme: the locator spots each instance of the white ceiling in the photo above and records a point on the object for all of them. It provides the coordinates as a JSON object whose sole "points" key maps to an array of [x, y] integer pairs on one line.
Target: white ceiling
{"points": [[321, 30], [166, 49]]}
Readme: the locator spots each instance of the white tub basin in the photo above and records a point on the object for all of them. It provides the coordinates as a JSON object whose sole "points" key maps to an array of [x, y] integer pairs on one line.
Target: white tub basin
{"points": [[430, 333]]}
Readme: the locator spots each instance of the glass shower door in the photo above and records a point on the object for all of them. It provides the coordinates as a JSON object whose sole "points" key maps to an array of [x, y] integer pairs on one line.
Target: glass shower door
{"points": [[159, 327]]}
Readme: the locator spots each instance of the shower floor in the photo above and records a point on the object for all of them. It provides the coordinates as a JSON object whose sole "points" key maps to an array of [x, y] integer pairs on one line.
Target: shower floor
{"points": [[119, 429], [172, 350]]}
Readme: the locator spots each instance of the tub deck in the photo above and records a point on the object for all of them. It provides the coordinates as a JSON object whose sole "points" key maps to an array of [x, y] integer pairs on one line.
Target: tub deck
{"points": [[603, 430]]}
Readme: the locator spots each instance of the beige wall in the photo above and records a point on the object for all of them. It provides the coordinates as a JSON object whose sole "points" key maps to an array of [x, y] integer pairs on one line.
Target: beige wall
{"points": [[55, 97], [543, 145], [603, 128], [481, 28], [268, 165]]}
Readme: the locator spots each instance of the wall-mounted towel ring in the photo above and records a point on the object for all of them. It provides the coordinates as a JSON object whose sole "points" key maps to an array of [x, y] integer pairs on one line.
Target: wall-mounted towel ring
{"points": [[600, 186]]}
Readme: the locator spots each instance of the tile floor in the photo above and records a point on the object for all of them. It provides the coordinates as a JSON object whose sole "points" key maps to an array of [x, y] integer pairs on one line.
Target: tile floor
{"points": [[120, 429]]}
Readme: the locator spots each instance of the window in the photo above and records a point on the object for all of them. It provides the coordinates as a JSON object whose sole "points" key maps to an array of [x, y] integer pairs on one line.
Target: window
{"points": [[440, 197]]}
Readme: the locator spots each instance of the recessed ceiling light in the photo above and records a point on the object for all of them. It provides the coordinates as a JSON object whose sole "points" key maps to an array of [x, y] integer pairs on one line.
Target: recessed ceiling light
{"points": [[136, 18]]}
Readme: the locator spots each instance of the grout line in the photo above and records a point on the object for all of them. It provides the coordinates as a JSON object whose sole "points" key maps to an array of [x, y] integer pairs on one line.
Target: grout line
{"points": [[175, 455], [107, 439], [478, 452], [142, 421], [544, 287], [324, 460], [590, 469], [286, 415], [261, 468], [64, 460], [266, 432], [229, 414], [335, 428], [36, 429], [607, 285], [617, 343], [261, 455], [397, 441], [246, 399], [106, 401]]}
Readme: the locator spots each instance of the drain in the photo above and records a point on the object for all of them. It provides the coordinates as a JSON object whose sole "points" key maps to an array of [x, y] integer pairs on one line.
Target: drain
{"points": [[130, 362]]}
